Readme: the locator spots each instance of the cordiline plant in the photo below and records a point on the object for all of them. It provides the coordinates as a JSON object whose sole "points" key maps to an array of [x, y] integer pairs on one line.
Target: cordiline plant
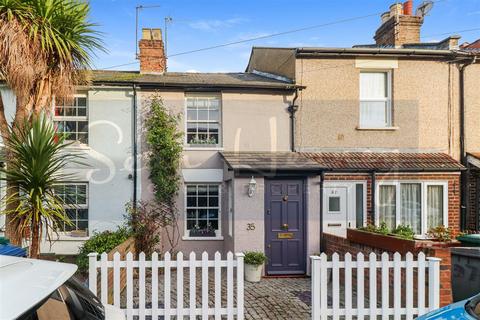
{"points": [[36, 162]]}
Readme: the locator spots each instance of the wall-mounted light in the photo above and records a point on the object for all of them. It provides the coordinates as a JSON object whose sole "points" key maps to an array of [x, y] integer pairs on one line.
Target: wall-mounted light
{"points": [[252, 187]]}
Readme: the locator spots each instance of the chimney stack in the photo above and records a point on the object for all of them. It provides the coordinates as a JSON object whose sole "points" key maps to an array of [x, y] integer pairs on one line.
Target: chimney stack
{"points": [[152, 53], [399, 26]]}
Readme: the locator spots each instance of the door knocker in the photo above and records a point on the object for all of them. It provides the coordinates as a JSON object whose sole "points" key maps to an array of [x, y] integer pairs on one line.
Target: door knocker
{"points": [[285, 198]]}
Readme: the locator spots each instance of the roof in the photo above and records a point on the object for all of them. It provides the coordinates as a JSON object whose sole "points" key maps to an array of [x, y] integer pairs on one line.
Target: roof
{"points": [[187, 79], [385, 161], [26, 282], [268, 161]]}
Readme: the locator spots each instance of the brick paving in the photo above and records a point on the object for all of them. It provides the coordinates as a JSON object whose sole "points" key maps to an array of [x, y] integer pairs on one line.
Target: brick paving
{"points": [[271, 298]]}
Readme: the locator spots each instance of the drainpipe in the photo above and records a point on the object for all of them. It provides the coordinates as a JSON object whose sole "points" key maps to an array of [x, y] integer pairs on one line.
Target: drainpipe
{"points": [[463, 159], [134, 134], [322, 178], [373, 191], [292, 109]]}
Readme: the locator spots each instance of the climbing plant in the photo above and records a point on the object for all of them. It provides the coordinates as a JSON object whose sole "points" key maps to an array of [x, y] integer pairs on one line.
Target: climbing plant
{"points": [[164, 142], [165, 145]]}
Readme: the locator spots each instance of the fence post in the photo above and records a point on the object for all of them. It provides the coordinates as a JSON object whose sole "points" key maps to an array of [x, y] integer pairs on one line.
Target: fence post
{"points": [[92, 272], [240, 303], [315, 287], [433, 283]]}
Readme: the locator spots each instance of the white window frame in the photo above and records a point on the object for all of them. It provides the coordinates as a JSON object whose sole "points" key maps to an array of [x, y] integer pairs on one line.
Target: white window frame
{"points": [[387, 100], [218, 233], [424, 185], [76, 118], [220, 117], [82, 206]]}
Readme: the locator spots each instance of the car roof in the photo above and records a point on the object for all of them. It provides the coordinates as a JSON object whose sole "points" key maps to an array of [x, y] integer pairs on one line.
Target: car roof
{"points": [[26, 282]]}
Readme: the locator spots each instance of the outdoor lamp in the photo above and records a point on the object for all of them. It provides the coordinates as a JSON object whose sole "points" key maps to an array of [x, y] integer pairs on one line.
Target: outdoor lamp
{"points": [[252, 187]]}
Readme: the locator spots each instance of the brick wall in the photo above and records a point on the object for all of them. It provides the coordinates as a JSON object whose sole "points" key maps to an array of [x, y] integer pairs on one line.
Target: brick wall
{"points": [[399, 30], [152, 56], [332, 243], [453, 190]]}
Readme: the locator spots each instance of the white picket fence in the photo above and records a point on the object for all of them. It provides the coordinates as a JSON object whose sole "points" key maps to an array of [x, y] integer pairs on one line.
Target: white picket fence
{"points": [[380, 303], [180, 266]]}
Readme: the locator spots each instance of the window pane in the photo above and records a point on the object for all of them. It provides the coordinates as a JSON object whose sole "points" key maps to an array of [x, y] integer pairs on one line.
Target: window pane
{"points": [[82, 102], [387, 208], [435, 206], [373, 114], [411, 206], [334, 204], [359, 204], [373, 85], [82, 112]]}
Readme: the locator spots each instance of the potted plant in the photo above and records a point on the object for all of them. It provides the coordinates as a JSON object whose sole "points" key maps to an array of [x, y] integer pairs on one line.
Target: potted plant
{"points": [[253, 265]]}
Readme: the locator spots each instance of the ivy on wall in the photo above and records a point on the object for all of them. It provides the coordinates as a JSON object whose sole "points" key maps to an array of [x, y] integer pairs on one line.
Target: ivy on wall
{"points": [[165, 146]]}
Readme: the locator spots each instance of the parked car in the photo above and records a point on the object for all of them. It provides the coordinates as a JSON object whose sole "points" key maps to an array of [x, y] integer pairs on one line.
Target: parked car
{"points": [[467, 309], [37, 290]]}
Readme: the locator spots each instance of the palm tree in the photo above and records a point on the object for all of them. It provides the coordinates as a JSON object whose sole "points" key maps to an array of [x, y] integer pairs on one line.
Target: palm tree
{"points": [[45, 50], [39, 162]]}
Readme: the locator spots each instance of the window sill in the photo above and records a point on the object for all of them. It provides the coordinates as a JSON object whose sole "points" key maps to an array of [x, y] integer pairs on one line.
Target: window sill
{"points": [[66, 237], [78, 146], [188, 148], [377, 129], [187, 238]]}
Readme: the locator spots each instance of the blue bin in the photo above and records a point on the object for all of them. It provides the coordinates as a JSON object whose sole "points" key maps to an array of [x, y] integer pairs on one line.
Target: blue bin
{"points": [[9, 250]]}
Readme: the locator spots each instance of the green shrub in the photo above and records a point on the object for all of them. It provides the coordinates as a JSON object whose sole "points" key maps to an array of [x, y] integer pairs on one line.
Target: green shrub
{"points": [[404, 232], [255, 258], [101, 242], [440, 233]]}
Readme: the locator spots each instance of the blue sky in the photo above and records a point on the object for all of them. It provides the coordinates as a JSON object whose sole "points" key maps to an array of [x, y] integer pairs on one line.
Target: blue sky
{"points": [[203, 23]]}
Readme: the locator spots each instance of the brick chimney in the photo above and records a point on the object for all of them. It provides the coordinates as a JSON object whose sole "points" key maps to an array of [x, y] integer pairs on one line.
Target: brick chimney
{"points": [[152, 54], [399, 26]]}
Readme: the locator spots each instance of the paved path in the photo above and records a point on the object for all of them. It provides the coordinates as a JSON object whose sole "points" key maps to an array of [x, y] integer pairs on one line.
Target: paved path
{"points": [[278, 298]]}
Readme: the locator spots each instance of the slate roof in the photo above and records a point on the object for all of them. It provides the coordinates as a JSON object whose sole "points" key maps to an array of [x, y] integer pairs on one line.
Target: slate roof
{"points": [[187, 79], [385, 161], [268, 161]]}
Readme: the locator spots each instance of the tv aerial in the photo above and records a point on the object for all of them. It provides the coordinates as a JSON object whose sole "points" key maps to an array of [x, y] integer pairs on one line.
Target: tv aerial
{"points": [[424, 8]]}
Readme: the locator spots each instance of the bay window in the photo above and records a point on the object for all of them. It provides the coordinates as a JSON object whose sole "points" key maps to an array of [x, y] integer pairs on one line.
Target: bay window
{"points": [[375, 100], [420, 205]]}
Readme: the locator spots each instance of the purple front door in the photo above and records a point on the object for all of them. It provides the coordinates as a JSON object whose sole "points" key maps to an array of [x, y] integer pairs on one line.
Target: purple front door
{"points": [[285, 227]]}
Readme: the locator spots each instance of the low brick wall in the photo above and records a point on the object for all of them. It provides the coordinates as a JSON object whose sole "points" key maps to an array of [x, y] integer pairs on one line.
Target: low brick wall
{"points": [[332, 243], [123, 248]]}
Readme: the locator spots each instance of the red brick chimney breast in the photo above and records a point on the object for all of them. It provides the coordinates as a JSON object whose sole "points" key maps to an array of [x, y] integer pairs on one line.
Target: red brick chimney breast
{"points": [[152, 53]]}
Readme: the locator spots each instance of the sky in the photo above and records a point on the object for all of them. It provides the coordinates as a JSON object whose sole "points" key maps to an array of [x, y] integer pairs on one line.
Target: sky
{"points": [[198, 24]]}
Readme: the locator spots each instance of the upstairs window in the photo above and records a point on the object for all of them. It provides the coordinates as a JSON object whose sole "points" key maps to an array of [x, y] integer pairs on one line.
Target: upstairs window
{"points": [[203, 121], [71, 119], [375, 100]]}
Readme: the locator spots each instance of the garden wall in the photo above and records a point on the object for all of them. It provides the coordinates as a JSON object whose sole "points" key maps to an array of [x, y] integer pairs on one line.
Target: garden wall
{"points": [[332, 243]]}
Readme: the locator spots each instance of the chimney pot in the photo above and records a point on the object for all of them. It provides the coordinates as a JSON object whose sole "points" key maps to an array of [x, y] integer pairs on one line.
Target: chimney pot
{"points": [[385, 16], [396, 9], [152, 54], [408, 8]]}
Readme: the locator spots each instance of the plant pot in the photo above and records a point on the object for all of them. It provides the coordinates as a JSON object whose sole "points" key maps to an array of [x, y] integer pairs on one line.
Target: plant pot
{"points": [[253, 273]]}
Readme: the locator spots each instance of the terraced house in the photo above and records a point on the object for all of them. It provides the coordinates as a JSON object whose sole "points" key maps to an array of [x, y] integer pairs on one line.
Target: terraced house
{"points": [[306, 141]]}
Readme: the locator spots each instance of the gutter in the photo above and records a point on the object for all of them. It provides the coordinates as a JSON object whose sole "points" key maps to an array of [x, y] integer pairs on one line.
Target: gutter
{"points": [[378, 51]]}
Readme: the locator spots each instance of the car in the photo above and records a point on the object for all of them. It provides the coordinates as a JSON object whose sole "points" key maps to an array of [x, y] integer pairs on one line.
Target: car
{"points": [[34, 289], [467, 309]]}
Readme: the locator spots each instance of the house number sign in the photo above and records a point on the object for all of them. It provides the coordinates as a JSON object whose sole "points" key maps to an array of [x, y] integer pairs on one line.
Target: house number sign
{"points": [[250, 226]]}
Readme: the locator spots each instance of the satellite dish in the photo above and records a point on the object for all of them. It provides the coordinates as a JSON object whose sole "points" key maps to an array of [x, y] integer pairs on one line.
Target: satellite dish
{"points": [[424, 8]]}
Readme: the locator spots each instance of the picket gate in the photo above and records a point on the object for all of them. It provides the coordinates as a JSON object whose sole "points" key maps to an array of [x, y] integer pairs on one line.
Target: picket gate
{"points": [[378, 277], [184, 269]]}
